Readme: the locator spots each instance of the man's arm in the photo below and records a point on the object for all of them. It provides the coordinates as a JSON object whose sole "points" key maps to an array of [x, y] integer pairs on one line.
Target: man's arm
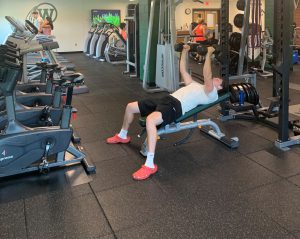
{"points": [[185, 75], [207, 73]]}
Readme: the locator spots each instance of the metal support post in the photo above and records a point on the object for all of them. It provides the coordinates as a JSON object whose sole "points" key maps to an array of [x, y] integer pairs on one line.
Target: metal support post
{"points": [[224, 42], [245, 31]]}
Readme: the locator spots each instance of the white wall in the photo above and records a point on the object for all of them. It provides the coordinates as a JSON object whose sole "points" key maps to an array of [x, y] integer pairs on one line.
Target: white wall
{"points": [[73, 19], [72, 23], [182, 19]]}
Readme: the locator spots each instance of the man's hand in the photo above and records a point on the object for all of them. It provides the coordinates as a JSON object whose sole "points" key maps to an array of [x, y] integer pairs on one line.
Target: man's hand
{"points": [[210, 50], [186, 48]]}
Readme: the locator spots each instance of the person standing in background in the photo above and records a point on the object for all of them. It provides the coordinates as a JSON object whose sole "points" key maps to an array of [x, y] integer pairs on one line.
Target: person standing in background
{"points": [[37, 20], [46, 27], [123, 30], [200, 31]]}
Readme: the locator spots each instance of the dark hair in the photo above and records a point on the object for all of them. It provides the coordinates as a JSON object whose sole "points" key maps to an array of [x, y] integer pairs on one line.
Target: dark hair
{"points": [[50, 22], [35, 12], [122, 25]]}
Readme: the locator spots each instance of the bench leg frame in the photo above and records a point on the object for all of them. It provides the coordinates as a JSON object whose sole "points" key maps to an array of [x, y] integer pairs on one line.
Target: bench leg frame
{"points": [[207, 126]]}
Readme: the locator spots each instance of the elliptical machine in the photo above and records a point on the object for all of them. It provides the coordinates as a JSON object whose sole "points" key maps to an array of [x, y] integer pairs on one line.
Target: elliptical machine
{"points": [[88, 39]]}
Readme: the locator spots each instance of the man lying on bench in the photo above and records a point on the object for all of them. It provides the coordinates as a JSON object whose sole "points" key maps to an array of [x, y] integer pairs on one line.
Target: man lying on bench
{"points": [[169, 108]]}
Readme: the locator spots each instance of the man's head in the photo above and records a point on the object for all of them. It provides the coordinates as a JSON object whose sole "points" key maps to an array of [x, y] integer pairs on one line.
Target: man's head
{"points": [[123, 25], [35, 14], [217, 82], [48, 21]]}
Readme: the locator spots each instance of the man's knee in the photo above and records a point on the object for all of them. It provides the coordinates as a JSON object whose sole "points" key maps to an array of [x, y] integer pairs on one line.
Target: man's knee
{"points": [[154, 118], [132, 107]]}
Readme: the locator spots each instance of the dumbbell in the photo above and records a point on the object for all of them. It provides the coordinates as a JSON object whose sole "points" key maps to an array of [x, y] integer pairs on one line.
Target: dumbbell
{"points": [[179, 46], [197, 47], [202, 49]]}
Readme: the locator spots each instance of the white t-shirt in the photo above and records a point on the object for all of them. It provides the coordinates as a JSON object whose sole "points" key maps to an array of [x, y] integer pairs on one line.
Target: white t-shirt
{"points": [[192, 95]]}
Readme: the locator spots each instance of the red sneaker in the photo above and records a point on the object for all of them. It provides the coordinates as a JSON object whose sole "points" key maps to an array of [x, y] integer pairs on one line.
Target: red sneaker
{"points": [[144, 172], [116, 140]]}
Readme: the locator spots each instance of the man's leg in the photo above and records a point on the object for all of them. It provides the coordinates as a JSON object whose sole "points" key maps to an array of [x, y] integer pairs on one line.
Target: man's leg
{"points": [[131, 109], [149, 167], [152, 121]]}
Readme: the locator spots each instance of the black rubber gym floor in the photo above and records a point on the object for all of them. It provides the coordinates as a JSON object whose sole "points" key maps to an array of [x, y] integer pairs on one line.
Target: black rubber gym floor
{"points": [[202, 188]]}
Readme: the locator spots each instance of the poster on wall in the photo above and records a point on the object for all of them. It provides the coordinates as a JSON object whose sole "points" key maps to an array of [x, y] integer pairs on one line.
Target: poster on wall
{"points": [[44, 10], [110, 16]]}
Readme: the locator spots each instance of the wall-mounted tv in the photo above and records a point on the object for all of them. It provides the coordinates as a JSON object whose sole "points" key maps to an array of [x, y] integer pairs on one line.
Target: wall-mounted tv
{"points": [[110, 16]]}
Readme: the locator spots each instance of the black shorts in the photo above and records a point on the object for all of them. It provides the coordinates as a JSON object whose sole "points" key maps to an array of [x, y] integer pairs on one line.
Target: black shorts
{"points": [[168, 106]]}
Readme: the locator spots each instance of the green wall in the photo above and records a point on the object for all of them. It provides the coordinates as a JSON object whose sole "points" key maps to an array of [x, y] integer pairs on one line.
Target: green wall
{"points": [[144, 24], [144, 10]]}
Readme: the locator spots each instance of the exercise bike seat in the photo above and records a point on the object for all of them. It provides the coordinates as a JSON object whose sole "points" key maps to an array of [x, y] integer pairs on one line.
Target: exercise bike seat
{"points": [[45, 65], [75, 78], [68, 80]]}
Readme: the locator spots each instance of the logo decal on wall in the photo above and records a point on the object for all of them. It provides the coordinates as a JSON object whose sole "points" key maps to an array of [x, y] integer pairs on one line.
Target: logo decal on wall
{"points": [[45, 10]]}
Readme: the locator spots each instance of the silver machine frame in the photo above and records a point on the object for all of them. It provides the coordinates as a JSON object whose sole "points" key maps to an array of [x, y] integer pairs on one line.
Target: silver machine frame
{"points": [[130, 63], [111, 49], [167, 75]]}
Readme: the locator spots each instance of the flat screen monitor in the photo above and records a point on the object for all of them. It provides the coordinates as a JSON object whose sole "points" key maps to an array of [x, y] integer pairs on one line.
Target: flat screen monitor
{"points": [[110, 16]]}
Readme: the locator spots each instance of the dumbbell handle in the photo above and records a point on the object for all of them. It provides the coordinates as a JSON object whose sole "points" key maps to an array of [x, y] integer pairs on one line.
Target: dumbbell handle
{"points": [[202, 49], [179, 46]]}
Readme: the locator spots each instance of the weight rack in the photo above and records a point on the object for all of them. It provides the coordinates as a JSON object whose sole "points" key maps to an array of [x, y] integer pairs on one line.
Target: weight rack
{"points": [[282, 63]]}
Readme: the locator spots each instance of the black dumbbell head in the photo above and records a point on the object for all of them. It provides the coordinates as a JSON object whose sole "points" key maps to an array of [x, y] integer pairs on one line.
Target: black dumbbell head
{"points": [[178, 47], [217, 49]]}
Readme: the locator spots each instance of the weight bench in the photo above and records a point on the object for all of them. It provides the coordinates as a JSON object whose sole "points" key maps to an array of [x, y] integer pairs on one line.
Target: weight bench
{"points": [[206, 125]]}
